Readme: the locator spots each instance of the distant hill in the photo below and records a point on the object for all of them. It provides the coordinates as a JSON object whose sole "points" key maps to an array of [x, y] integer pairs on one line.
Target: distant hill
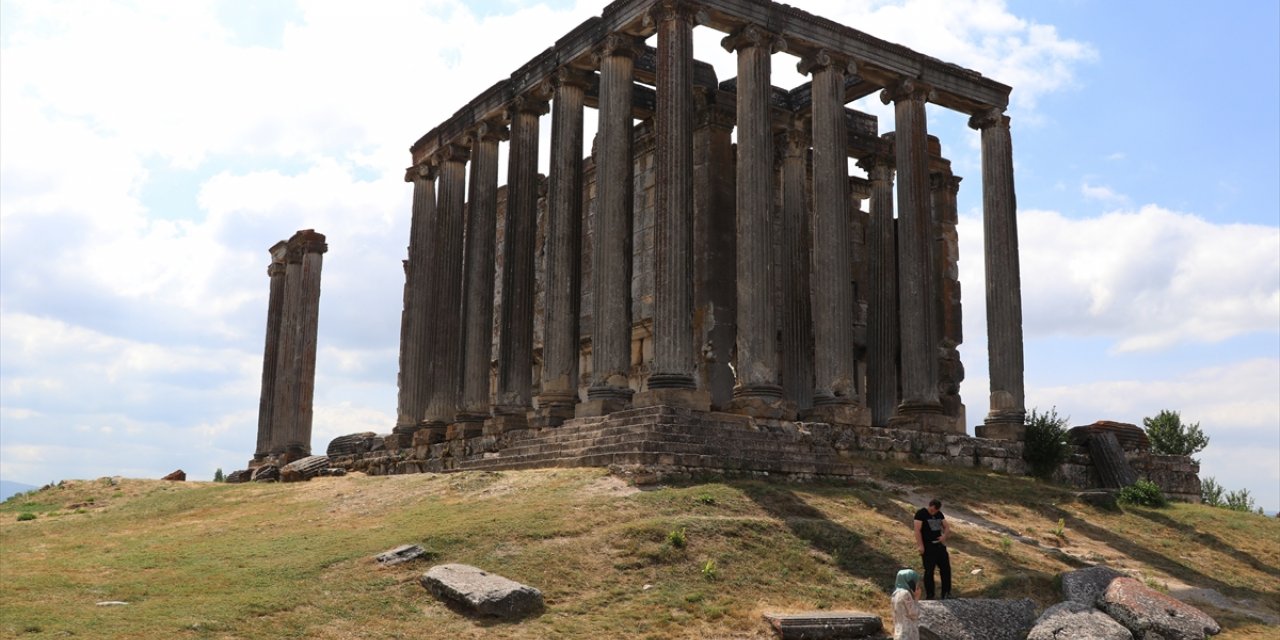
{"points": [[682, 561], [9, 488]]}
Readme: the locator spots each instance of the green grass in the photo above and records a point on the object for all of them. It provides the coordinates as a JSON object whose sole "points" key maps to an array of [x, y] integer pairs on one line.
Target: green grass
{"points": [[206, 560]]}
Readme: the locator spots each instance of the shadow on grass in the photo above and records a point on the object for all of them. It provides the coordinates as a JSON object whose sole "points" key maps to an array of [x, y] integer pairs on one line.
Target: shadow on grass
{"points": [[1209, 540]]}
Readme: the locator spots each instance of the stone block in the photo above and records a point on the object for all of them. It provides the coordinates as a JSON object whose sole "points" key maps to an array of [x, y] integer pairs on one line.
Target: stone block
{"points": [[1002, 430], [176, 476], [825, 625], [597, 408], [1077, 621], [695, 399], [1086, 585], [976, 619], [304, 469], [855, 415], [401, 554], [480, 592], [1149, 613]]}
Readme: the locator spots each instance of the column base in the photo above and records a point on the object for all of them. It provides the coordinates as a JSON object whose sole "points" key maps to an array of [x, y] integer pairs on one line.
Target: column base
{"points": [[924, 416], [762, 401], [503, 422], [658, 381], [466, 425], [695, 399], [1001, 429], [841, 413], [600, 407], [401, 436], [551, 415]]}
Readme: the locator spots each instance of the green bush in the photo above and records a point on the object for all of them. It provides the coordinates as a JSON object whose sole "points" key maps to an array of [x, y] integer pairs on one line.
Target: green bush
{"points": [[218, 477], [1239, 501], [1211, 493], [1143, 493], [1172, 438], [1046, 446], [26, 515], [677, 538]]}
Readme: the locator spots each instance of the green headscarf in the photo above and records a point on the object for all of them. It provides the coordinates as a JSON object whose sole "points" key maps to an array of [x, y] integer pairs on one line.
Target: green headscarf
{"points": [[906, 580]]}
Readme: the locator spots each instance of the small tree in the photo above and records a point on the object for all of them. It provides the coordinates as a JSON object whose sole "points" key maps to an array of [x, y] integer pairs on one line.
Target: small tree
{"points": [[218, 477], [1211, 492], [1170, 437], [1046, 446], [1239, 501]]}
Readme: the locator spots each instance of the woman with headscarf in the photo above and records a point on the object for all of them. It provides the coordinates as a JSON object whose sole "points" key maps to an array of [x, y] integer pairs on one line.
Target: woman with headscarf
{"points": [[906, 590]]}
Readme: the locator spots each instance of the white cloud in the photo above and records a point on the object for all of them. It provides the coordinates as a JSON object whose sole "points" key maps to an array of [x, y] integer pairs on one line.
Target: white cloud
{"points": [[1101, 193]]}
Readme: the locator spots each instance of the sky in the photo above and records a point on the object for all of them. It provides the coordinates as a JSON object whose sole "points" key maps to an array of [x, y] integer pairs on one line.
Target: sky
{"points": [[151, 153]]}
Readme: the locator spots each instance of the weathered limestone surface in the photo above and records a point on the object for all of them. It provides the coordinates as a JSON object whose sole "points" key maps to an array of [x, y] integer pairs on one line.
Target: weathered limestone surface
{"points": [[416, 339], [825, 625], [1087, 585], [481, 592], [400, 555], [1077, 621], [976, 619], [303, 469], [1149, 613], [275, 313]]}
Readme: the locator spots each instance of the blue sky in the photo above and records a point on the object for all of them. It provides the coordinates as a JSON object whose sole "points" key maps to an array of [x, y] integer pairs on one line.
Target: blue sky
{"points": [[151, 152]]}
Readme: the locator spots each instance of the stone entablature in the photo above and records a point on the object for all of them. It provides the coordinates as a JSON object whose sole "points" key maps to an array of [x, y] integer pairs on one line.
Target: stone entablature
{"points": [[674, 268]]}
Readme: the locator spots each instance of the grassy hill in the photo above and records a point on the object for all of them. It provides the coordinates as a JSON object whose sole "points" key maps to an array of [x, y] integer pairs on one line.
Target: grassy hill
{"points": [[205, 560]]}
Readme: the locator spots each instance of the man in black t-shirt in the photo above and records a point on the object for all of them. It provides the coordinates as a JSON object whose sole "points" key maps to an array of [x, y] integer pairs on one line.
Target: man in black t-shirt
{"points": [[932, 532]]}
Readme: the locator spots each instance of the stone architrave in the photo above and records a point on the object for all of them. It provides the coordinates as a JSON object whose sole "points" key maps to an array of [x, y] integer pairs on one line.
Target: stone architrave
{"points": [[1004, 284], [515, 326], [672, 378], [835, 396], [561, 341], [797, 318], [611, 243], [882, 320], [416, 354], [919, 407], [443, 393], [757, 391], [275, 312], [477, 348]]}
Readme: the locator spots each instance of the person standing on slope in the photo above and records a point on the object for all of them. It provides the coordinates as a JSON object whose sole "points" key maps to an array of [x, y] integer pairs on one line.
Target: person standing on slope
{"points": [[906, 613], [932, 532]]}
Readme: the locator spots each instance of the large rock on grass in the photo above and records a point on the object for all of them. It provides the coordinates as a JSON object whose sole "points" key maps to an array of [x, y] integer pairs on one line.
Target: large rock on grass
{"points": [[976, 619], [1072, 620], [825, 625], [476, 591], [353, 444], [1151, 614], [236, 477], [266, 473], [303, 469], [1087, 585], [176, 476]]}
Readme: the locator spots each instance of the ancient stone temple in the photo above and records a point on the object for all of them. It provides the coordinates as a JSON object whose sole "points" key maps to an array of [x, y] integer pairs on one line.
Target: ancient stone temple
{"points": [[289, 359], [704, 285]]}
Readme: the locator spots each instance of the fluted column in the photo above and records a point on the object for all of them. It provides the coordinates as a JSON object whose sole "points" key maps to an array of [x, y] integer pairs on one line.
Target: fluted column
{"points": [[757, 391], [286, 383], [477, 347], [943, 187], [1004, 283], [611, 243], [515, 328], [442, 399], [416, 355], [270, 352], [882, 321], [797, 318], [673, 363], [561, 341], [835, 396], [313, 246], [919, 405]]}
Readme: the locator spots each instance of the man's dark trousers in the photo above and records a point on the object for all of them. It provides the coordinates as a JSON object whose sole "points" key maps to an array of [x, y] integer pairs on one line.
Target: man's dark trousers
{"points": [[935, 555]]}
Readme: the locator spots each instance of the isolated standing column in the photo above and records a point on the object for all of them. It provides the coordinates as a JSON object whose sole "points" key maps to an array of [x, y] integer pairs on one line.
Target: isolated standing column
{"points": [[270, 353], [313, 248]]}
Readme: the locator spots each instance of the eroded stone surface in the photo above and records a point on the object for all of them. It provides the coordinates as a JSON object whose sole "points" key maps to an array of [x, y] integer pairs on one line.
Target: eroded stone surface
{"points": [[1149, 613], [976, 619], [1086, 585], [1072, 620], [401, 554], [304, 469], [825, 625], [481, 592]]}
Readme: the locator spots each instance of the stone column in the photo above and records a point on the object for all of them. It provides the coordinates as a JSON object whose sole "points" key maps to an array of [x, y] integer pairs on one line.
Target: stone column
{"points": [[919, 408], [561, 341], [882, 321], [1004, 283], [415, 354], [313, 248], [757, 391], [477, 348], [943, 187], [445, 314], [611, 244], [672, 381], [797, 317], [270, 353], [714, 261], [835, 397], [515, 327], [283, 413]]}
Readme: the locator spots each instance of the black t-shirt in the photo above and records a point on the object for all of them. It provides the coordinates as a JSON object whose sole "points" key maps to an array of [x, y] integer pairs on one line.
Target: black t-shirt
{"points": [[931, 527]]}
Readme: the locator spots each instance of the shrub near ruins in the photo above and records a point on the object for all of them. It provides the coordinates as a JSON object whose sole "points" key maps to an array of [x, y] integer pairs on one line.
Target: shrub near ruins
{"points": [[1046, 446]]}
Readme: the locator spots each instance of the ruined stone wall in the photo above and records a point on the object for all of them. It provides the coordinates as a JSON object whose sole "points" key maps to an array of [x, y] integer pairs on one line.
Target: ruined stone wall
{"points": [[1177, 476]]}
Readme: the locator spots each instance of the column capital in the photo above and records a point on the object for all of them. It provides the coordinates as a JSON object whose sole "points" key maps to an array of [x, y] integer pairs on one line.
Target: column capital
{"points": [[990, 118], [906, 89], [666, 10], [569, 76], [948, 181], [426, 170], [453, 152], [275, 269], [279, 251], [822, 60], [620, 44], [535, 101], [488, 131], [753, 35], [793, 142], [307, 241], [879, 166]]}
